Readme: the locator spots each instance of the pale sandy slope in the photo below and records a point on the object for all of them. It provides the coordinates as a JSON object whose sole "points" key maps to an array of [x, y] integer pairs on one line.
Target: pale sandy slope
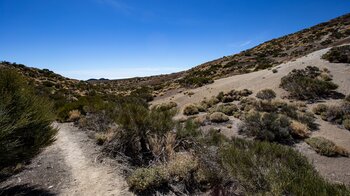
{"points": [[256, 81], [336, 169]]}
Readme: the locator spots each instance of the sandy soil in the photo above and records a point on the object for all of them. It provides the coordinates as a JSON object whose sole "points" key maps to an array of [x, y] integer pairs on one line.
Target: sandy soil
{"points": [[335, 169], [71, 166]]}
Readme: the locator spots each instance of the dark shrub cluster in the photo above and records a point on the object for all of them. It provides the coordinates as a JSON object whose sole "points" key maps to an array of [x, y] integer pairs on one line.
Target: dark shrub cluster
{"points": [[233, 95], [267, 126], [275, 120], [25, 120], [340, 54], [306, 84], [195, 81]]}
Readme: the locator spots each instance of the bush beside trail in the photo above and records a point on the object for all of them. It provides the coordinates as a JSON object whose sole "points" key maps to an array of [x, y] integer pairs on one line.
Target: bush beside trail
{"points": [[25, 120]]}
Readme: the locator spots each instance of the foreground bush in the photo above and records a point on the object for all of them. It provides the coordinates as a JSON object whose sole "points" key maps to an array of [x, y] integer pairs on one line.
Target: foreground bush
{"points": [[138, 125], [306, 84], [25, 120], [326, 147], [270, 169], [340, 54]]}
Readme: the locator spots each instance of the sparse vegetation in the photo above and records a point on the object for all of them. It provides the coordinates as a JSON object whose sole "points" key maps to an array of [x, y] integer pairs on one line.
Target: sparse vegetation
{"points": [[326, 147], [167, 155]]}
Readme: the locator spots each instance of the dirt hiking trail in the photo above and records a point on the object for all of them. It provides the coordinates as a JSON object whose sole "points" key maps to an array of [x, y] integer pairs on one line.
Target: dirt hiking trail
{"points": [[71, 166]]}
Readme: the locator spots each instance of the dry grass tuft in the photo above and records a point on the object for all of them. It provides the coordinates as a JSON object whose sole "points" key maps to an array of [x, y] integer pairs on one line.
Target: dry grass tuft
{"points": [[299, 130], [74, 115], [326, 147]]}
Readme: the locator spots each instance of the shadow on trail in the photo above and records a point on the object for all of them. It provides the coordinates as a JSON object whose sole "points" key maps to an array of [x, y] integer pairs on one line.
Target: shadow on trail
{"points": [[24, 190]]}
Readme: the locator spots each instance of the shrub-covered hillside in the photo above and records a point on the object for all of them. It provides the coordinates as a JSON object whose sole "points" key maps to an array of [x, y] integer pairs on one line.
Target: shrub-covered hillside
{"points": [[276, 51]]}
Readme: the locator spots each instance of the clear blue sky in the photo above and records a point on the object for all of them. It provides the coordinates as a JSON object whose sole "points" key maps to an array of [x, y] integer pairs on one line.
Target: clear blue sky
{"points": [[123, 38]]}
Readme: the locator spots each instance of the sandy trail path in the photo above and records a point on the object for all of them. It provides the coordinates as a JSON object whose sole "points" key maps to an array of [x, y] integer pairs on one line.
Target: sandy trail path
{"points": [[71, 166]]}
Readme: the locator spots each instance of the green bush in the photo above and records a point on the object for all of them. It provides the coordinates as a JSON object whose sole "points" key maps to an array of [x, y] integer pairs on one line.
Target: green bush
{"points": [[263, 168], [266, 94], [137, 123], [214, 138], [306, 85], [267, 126], [188, 130], [25, 120]]}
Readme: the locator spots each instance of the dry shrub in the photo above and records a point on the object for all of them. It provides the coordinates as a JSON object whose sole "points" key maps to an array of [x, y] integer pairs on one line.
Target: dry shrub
{"points": [[346, 124], [182, 165], [166, 106], [170, 144], [326, 147], [320, 108], [299, 130], [162, 147], [156, 145], [211, 102], [325, 77], [201, 120], [74, 115], [333, 113], [228, 109], [143, 179], [218, 117], [102, 138], [266, 94], [190, 109]]}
